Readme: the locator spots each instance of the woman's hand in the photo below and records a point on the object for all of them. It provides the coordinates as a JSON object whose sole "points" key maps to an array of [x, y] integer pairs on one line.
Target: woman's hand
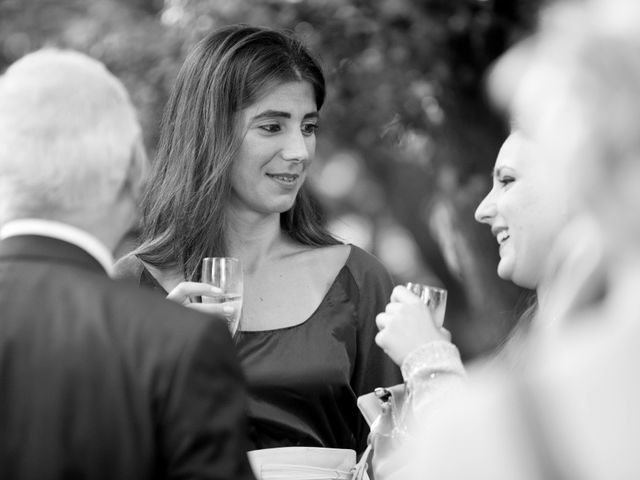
{"points": [[405, 325], [185, 293]]}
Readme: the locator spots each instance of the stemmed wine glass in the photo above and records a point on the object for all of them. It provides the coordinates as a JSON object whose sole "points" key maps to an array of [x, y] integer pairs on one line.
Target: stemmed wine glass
{"points": [[225, 273]]}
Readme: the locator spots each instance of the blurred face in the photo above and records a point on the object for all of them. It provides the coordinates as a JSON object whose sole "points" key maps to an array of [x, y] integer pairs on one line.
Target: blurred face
{"points": [[526, 209], [277, 148]]}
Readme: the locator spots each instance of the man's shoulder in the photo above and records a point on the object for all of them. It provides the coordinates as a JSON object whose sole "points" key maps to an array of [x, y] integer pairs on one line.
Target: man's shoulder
{"points": [[128, 267], [147, 311], [152, 311]]}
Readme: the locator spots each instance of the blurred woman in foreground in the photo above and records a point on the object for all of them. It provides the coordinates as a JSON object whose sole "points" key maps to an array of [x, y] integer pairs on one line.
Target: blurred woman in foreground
{"points": [[526, 209], [571, 411]]}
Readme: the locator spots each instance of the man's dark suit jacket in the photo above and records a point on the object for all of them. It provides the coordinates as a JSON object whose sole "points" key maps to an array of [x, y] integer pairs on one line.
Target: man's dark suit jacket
{"points": [[102, 380]]}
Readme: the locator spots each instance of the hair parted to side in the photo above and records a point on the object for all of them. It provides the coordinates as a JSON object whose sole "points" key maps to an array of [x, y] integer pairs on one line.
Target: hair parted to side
{"points": [[183, 217], [68, 136]]}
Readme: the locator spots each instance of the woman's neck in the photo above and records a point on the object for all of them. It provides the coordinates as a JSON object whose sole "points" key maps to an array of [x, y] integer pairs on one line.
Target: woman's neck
{"points": [[253, 238], [623, 278], [542, 292]]}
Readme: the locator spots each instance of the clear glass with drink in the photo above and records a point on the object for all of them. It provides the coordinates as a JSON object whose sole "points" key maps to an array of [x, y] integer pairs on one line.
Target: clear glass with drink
{"points": [[434, 298], [225, 273]]}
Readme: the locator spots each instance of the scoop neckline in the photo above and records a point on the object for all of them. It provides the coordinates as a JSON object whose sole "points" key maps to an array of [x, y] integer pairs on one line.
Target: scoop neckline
{"points": [[333, 285]]}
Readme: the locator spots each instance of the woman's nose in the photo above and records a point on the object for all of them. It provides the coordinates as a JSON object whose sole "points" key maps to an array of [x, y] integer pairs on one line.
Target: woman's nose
{"points": [[295, 148], [486, 209]]}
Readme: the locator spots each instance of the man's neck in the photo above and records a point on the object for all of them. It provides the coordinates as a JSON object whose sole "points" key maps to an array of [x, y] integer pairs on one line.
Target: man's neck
{"points": [[64, 232]]}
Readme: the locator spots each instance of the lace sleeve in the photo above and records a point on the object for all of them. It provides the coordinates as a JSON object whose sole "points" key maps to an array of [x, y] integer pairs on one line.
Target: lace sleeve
{"points": [[433, 372]]}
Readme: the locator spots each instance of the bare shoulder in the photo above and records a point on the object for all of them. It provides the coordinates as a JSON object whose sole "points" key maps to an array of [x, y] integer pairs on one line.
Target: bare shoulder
{"points": [[328, 260], [332, 253]]}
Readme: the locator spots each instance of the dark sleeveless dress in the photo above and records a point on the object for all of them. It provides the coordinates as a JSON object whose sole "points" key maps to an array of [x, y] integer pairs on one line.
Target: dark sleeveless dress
{"points": [[304, 380]]}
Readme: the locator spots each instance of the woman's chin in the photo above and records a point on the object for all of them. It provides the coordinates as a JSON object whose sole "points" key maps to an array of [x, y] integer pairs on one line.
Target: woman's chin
{"points": [[505, 271]]}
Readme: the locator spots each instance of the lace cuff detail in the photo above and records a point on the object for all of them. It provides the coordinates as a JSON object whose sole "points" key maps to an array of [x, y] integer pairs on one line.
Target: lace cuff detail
{"points": [[430, 359]]}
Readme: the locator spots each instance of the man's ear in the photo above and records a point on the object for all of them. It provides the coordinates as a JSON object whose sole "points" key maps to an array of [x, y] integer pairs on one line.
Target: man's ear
{"points": [[136, 176]]}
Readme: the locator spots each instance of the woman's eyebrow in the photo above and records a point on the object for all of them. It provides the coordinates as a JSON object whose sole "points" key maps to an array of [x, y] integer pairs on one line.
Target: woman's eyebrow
{"points": [[282, 114]]}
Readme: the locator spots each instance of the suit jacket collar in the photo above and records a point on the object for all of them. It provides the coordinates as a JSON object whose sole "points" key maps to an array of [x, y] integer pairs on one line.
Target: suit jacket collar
{"points": [[45, 249]]}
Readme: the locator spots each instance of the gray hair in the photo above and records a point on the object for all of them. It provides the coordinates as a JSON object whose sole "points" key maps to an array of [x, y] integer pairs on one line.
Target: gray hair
{"points": [[69, 137]]}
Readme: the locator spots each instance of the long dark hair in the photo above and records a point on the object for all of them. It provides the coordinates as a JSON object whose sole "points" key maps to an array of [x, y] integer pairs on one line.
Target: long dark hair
{"points": [[183, 217]]}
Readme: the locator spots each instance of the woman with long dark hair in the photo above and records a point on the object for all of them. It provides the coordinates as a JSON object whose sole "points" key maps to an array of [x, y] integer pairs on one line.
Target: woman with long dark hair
{"points": [[238, 136]]}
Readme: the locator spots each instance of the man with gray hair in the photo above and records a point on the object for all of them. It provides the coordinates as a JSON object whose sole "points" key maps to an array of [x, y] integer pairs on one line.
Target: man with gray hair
{"points": [[98, 379]]}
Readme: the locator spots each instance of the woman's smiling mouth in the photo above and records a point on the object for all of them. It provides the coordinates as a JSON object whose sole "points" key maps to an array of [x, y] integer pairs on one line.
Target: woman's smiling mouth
{"points": [[502, 236], [284, 178]]}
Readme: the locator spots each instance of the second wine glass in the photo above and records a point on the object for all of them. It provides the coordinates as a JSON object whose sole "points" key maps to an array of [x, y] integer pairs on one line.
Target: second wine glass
{"points": [[434, 298]]}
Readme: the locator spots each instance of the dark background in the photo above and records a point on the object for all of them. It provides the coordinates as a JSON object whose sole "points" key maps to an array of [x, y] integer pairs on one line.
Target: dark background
{"points": [[407, 139]]}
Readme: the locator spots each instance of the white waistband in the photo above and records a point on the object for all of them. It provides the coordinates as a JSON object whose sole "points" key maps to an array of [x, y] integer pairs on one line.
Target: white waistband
{"points": [[302, 463]]}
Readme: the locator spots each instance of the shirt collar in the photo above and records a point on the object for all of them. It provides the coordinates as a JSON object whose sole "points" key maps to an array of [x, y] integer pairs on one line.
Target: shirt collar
{"points": [[64, 232]]}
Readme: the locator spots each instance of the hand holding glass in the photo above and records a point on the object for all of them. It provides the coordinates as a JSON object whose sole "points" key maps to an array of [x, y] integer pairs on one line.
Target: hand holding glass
{"points": [[225, 273], [433, 297]]}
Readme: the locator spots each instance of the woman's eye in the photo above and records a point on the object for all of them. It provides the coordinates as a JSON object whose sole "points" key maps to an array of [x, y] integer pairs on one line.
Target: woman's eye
{"points": [[271, 127], [310, 129], [504, 181]]}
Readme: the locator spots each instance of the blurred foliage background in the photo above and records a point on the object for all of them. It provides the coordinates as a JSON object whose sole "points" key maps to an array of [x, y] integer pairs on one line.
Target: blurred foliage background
{"points": [[408, 138]]}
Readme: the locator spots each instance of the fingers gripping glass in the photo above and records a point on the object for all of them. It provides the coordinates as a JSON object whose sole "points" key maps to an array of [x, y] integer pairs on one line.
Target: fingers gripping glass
{"points": [[433, 297]]}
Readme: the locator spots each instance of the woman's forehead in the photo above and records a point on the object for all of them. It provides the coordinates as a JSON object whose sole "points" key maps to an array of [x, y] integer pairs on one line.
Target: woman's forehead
{"points": [[516, 152]]}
